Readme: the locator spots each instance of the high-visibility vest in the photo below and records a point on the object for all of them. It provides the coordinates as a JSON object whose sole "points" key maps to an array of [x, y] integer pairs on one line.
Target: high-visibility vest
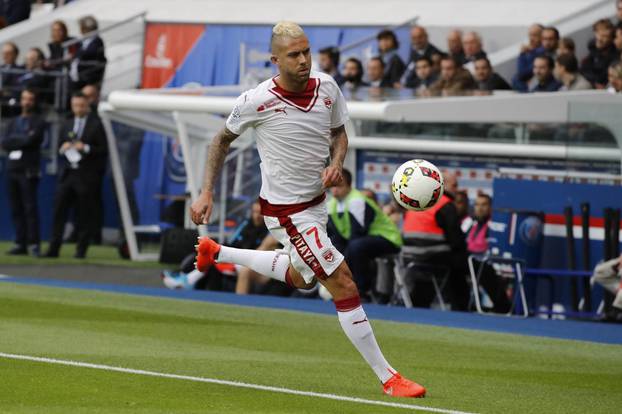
{"points": [[381, 226], [423, 233]]}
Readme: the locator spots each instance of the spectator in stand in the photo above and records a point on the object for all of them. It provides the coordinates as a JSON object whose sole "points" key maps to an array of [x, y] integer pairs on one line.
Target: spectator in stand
{"points": [[329, 63], [486, 79], [35, 77], [14, 11], [434, 235], [59, 56], [477, 244], [619, 13], [472, 46], [567, 72], [550, 41], [528, 53], [420, 46], [436, 63], [393, 64], [353, 74], [89, 63], [602, 53], [91, 93], [361, 231], [543, 79], [566, 47], [22, 142], [425, 76], [617, 40], [10, 81], [615, 78], [376, 73], [454, 46], [609, 275], [461, 201], [454, 80], [83, 151]]}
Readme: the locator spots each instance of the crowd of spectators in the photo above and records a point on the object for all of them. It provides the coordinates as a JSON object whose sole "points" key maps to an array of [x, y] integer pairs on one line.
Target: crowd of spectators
{"points": [[55, 91], [68, 66], [546, 63]]}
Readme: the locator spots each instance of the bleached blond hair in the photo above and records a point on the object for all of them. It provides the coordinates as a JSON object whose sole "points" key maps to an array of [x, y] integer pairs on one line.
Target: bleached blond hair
{"points": [[285, 29]]}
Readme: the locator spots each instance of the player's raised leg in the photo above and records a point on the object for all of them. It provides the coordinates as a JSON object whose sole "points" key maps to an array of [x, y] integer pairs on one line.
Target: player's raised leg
{"points": [[273, 264]]}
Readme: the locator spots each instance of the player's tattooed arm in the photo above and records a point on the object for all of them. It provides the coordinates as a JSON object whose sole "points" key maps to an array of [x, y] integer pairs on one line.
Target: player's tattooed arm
{"points": [[339, 146], [201, 208], [218, 150]]}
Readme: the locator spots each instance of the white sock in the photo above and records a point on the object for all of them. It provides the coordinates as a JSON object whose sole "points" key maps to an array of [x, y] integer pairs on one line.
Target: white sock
{"points": [[356, 326], [194, 277], [268, 263]]}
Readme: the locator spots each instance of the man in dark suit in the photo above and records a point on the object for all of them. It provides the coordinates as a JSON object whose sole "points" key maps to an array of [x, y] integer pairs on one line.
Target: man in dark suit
{"points": [[83, 152], [486, 78], [9, 94], [89, 63], [14, 11], [420, 47], [375, 73], [22, 142]]}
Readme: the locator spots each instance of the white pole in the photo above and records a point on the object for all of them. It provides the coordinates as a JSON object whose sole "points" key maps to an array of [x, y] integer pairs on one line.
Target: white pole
{"points": [[119, 183], [191, 181]]}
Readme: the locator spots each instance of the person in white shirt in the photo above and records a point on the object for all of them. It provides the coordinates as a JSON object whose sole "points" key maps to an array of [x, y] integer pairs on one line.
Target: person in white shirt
{"points": [[298, 119]]}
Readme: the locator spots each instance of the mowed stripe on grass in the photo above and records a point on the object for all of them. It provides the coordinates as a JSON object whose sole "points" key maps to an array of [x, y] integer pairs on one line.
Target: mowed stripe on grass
{"points": [[236, 384], [463, 370]]}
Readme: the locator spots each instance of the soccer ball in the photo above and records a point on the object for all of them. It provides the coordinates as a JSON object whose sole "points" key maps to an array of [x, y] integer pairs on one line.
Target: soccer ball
{"points": [[417, 185]]}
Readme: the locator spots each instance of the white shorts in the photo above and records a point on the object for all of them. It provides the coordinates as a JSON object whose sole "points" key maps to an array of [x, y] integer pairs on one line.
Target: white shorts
{"points": [[304, 238]]}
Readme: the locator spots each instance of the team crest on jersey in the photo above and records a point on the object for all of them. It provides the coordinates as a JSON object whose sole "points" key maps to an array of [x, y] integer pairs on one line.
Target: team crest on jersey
{"points": [[328, 102], [328, 255]]}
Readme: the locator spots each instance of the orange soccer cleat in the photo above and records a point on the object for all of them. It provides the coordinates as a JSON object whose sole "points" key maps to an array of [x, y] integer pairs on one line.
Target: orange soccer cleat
{"points": [[398, 386], [207, 251]]}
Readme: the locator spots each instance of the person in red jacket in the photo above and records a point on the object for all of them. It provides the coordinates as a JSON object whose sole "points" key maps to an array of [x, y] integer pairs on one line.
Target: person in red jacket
{"points": [[435, 237]]}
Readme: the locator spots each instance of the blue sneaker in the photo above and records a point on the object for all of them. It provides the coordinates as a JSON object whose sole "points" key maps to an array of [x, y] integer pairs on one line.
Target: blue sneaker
{"points": [[175, 280]]}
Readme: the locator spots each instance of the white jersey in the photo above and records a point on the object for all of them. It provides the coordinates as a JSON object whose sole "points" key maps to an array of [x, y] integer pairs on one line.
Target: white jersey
{"points": [[293, 135]]}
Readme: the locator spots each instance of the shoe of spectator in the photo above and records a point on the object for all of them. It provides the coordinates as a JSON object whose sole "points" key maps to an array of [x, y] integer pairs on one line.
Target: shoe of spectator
{"points": [[34, 250], [18, 250], [398, 386], [50, 254], [207, 251], [612, 316], [174, 280]]}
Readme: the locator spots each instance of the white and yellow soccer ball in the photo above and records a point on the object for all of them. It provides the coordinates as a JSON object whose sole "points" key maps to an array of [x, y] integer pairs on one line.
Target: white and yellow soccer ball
{"points": [[417, 185]]}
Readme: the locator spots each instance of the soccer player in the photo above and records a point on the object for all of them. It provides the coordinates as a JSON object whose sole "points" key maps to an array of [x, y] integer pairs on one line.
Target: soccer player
{"points": [[299, 118]]}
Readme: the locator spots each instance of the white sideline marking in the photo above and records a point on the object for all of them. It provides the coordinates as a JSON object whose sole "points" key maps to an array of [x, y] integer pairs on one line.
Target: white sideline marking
{"points": [[229, 383]]}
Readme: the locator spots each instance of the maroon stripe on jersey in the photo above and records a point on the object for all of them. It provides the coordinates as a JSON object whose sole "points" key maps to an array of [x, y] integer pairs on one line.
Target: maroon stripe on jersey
{"points": [[303, 249], [282, 210], [346, 305], [302, 100]]}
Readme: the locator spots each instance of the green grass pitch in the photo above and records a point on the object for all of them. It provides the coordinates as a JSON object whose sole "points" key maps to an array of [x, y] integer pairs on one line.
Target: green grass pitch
{"points": [[472, 371]]}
